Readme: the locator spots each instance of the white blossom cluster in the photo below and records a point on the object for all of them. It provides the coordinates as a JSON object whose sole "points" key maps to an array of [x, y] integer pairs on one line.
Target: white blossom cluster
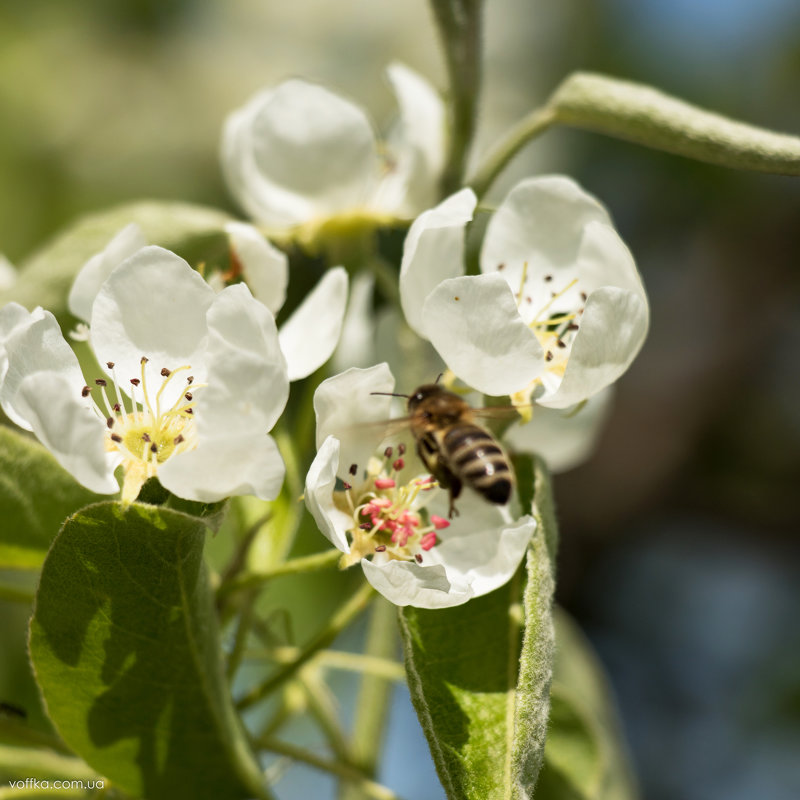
{"points": [[193, 374]]}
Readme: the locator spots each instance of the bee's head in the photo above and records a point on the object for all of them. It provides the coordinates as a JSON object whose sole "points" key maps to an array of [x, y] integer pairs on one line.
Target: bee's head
{"points": [[423, 393]]}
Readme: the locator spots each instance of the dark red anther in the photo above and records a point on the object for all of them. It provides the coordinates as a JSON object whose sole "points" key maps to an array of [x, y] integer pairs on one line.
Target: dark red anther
{"points": [[178, 439], [154, 448], [347, 486], [115, 437], [353, 469], [117, 407], [110, 364], [135, 381], [381, 548], [190, 379], [401, 449], [110, 422], [85, 391], [388, 452], [143, 360], [165, 373], [418, 558], [146, 437], [101, 382], [398, 464], [188, 395], [548, 355]]}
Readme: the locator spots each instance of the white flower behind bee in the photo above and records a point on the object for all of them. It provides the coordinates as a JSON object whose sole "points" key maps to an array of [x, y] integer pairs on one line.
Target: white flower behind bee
{"points": [[382, 511], [191, 383], [559, 311], [298, 154]]}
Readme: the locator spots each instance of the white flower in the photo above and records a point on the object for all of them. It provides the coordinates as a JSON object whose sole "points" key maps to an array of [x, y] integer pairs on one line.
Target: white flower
{"points": [[564, 438], [559, 311], [298, 154], [192, 382], [310, 335], [307, 338], [380, 512]]}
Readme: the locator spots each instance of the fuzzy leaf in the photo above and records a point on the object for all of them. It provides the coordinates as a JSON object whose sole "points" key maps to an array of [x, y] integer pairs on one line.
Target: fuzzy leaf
{"points": [[125, 648], [194, 232], [585, 756], [479, 676], [641, 114], [36, 496]]}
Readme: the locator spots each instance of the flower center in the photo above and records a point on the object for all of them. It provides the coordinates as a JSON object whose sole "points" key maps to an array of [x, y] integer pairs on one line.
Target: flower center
{"points": [[552, 312], [389, 521], [144, 429]]}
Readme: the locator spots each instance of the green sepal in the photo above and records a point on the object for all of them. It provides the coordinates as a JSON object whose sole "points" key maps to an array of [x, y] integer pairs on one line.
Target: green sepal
{"points": [[36, 495], [125, 648]]}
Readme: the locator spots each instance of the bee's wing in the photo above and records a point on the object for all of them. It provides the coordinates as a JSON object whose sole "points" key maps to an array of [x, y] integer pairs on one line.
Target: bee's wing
{"points": [[497, 412], [389, 427]]}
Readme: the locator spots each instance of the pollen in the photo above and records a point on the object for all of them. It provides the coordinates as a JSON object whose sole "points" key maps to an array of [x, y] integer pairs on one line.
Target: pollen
{"points": [[145, 428], [389, 521]]}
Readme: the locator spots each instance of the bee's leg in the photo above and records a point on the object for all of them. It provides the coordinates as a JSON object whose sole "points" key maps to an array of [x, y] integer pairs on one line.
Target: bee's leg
{"points": [[455, 491]]}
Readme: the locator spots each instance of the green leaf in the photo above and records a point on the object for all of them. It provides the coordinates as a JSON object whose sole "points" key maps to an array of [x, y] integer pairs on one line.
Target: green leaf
{"points": [[36, 496], [647, 116], [479, 676], [125, 648], [194, 232], [585, 756]]}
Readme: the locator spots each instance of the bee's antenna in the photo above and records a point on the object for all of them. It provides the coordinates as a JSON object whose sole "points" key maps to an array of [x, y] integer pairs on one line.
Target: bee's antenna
{"points": [[391, 394], [439, 377]]}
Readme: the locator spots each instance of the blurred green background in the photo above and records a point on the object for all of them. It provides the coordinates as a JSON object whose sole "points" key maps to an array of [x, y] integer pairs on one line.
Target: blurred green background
{"points": [[680, 548]]}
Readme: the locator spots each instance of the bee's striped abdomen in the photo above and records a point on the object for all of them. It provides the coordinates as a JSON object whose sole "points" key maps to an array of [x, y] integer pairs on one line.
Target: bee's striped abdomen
{"points": [[475, 457]]}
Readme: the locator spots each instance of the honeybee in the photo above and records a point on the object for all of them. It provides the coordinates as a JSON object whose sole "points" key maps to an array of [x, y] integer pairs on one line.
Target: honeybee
{"points": [[454, 448]]}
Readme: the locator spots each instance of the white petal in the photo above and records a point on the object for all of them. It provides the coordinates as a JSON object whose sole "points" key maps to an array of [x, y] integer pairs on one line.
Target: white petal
{"points": [[612, 330], [68, 429], [246, 372], [356, 346], [480, 548], [309, 336], [299, 151], [474, 324], [8, 274], [346, 409], [33, 345], [540, 222], [95, 271], [13, 317], [433, 251], [408, 584], [154, 304], [266, 269], [320, 484], [564, 438], [225, 466], [604, 260], [416, 145]]}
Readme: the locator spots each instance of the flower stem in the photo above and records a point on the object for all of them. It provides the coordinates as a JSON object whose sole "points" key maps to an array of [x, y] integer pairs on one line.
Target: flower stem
{"points": [[369, 787], [251, 580], [375, 695], [529, 127], [340, 620], [460, 27], [16, 594]]}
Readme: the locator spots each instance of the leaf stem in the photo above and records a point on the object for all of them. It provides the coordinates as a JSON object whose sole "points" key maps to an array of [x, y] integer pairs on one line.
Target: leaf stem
{"points": [[340, 620], [529, 127], [370, 787]]}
